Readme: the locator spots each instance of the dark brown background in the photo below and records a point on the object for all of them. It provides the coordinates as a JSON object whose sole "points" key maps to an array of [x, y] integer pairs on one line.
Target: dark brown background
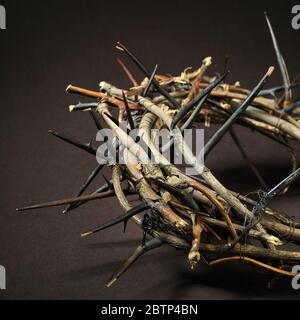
{"points": [[48, 45]]}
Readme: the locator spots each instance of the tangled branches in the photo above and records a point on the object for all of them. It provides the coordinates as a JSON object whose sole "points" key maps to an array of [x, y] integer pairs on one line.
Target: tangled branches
{"points": [[197, 214]]}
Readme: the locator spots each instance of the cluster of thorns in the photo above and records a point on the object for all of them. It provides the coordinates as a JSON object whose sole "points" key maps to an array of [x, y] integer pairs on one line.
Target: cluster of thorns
{"points": [[197, 214]]}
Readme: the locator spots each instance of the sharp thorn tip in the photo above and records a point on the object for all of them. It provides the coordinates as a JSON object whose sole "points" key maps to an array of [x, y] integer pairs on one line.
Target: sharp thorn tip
{"points": [[110, 283], [86, 234]]}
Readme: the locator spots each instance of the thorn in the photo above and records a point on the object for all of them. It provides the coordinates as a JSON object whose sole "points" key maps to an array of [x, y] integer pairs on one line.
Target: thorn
{"points": [[74, 142], [144, 239], [83, 106], [128, 111], [281, 62], [110, 185], [150, 81], [205, 92], [56, 203], [140, 250], [102, 189], [125, 225], [226, 62], [88, 181], [129, 214], [180, 193], [264, 202], [194, 114], [274, 90], [96, 120], [236, 114], [141, 66], [282, 185]]}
